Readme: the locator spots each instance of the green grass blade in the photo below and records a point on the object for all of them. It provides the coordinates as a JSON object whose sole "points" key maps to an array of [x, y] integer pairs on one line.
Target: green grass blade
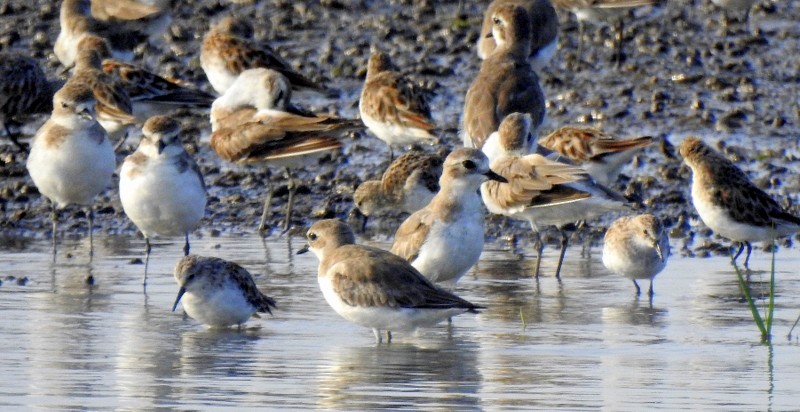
{"points": [[753, 309]]}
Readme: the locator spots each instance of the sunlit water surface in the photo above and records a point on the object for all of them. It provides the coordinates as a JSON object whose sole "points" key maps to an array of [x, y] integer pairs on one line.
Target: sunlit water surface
{"points": [[584, 343]]}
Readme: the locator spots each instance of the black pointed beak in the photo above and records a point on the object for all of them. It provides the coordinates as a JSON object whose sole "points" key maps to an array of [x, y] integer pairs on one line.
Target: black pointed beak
{"points": [[302, 250], [63, 72], [494, 176], [356, 213], [178, 299], [659, 252], [86, 114], [160, 146]]}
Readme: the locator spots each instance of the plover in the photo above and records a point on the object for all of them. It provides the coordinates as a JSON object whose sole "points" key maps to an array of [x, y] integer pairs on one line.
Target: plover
{"points": [[636, 247], [160, 186], [217, 292], [407, 185], [253, 123], [729, 203], [71, 159], [601, 154], [228, 49], [24, 90], [541, 191], [375, 288], [444, 239], [506, 82], [544, 30], [392, 107]]}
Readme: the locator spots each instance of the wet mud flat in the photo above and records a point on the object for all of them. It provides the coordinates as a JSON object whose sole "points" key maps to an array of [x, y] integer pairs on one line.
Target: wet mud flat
{"points": [[685, 72]]}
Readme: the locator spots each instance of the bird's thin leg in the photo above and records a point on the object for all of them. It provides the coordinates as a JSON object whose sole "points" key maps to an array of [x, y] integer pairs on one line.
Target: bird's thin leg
{"points": [[91, 232], [564, 241], [388, 336], [290, 203], [638, 291], [579, 56], [147, 249], [650, 292], [747, 258], [378, 336], [539, 246], [262, 227], [54, 218], [739, 252], [186, 245], [13, 138]]}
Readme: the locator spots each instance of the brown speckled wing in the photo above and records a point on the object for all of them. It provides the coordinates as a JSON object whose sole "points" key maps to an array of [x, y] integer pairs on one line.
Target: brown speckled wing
{"points": [[428, 169], [113, 101], [367, 277], [245, 281], [142, 85], [392, 97], [22, 84], [412, 233]]}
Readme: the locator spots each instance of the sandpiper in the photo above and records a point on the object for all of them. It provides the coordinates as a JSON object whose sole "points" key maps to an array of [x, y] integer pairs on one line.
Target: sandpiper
{"points": [[392, 107], [217, 292], [228, 49], [24, 90], [636, 247], [729, 203]]}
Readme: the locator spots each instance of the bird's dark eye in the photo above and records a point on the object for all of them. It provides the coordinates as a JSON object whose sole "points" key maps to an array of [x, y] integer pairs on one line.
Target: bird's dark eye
{"points": [[496, 20], [312, 236], [64, 104], [189, 278], [469, 164]]}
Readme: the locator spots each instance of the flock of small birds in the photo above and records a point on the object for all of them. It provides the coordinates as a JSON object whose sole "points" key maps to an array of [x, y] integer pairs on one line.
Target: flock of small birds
{"points": [[559, 180]]}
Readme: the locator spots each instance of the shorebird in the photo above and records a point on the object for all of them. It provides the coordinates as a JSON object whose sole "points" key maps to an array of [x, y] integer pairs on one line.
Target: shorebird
{"points": [[729, 203], [160, 186], [374, 288], [151, 17], [71, 159], [444, 239], [601, 154], [601, 11], [544, 30], [114, 107], [636, 247], [254, 122], [506, 82], [542, 191], [76, 20], [217, 292], [407, 185], [392, 107], [24, 90], [228, 49]]}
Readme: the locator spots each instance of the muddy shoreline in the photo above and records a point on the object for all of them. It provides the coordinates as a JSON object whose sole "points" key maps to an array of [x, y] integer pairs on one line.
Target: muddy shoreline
{"points": [[686, 73]]}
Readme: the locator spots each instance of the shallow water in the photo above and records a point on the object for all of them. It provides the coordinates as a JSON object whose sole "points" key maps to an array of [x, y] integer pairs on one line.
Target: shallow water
{"points": [[584, 343]]}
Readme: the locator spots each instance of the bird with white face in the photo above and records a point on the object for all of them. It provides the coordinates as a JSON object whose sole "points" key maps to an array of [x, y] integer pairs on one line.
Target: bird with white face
{"points": [[374, 288], [636, 247], [160, 185], [71, 159], [444, 239]]}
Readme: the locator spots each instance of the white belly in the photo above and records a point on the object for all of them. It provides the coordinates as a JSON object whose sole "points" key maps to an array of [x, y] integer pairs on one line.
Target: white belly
{"points": [[451, 249], [218, 308]]}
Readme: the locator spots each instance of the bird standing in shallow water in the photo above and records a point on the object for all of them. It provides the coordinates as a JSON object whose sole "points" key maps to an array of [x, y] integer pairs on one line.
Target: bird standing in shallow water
{"points": [[636, 247], [375, 288], [71, 159], [160, 186], [729, 203]]}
